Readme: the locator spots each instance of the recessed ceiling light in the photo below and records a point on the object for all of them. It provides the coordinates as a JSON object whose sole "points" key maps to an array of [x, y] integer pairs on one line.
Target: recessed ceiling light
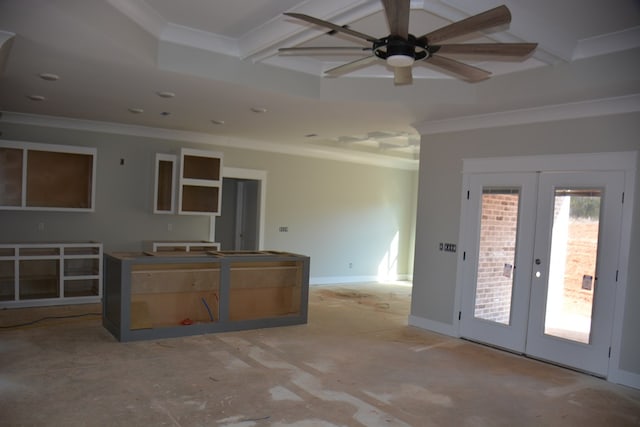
{"points": [[258, 109], [164, 94], [136, 110], [217, 122], [36, 97], [310, 135], [165, 113], [49, 76]]}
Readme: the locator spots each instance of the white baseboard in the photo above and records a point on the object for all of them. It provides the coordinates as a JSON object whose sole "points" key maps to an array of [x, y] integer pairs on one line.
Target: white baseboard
{"points": [[625, 378], [434, 326], [336, 280]]}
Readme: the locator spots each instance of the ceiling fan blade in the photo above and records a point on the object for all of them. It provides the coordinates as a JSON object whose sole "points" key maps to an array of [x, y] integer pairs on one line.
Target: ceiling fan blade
{"points": [[324, 49], [482, 21], [512, 50], [351, 66], [402, 76], [464, 71], [334, 27], [397, 12]]}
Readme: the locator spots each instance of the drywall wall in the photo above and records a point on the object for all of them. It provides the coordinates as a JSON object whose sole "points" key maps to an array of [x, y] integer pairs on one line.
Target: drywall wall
{"points": [[347, 217], [440, 186]]}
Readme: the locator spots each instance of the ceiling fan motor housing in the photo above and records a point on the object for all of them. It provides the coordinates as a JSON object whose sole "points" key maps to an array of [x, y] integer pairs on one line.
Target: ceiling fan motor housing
{"points": [[395, 46]]}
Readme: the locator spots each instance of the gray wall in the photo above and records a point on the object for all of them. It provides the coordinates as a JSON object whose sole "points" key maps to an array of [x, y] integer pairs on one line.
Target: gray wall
{"points": [[440, 185], [337, 213]]}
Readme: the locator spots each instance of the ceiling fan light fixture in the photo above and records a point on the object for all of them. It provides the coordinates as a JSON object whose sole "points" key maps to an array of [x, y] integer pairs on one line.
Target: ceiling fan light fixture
{"points": [[400, 60]]}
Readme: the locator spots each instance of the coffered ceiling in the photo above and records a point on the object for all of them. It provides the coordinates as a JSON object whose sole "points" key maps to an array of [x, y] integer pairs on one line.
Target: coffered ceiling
{"points": [[210, 70]]}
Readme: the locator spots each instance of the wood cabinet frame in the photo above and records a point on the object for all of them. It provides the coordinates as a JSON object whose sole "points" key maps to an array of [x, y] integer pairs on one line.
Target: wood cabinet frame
{"points": [[165, 184], [49, 177], [40, 274], [200, 183]]}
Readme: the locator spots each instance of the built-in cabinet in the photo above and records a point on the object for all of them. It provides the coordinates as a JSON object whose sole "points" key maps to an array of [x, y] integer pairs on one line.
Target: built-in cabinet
{"points": [[199, 183], [36, 274], [47, 177]]}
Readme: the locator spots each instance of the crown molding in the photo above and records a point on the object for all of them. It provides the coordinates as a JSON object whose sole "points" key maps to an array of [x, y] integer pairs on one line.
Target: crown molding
{"points": [[326, 153], [607, 43], [549, 113]]}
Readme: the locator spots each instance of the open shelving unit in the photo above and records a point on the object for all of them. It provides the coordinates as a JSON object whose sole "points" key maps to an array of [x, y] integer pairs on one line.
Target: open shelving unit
{"points": [[37, 274]]}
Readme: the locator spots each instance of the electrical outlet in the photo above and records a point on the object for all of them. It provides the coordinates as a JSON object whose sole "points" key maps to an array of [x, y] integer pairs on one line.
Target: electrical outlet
{"points": [[350, 265], [283, 229], [41, 226], [169, 227]]}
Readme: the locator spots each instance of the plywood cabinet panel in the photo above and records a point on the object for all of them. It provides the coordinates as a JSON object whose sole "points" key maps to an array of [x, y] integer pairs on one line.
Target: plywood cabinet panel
{"points": [[58, 179]]}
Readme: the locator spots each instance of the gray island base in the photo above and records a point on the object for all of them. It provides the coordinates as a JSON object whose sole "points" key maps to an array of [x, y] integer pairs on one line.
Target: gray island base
{"points": [[155, 295]]}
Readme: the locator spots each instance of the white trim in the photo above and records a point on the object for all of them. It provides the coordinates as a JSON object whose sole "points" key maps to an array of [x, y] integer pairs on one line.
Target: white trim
{"points": [[621, 160], [549, 113], [199, 39], [326, 153], [616, 374], [629, 379], [142, 14], [257, 175], [607, 43], [432, 325], [335, 280], [332, 280]]}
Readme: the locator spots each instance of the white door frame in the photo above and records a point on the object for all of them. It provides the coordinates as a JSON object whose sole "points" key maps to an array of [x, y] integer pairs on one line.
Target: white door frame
{"points": [[256, 175], [620, 161]]}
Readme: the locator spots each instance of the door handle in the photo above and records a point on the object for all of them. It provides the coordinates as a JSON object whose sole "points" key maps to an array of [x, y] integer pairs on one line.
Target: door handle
{"points": [[538, 262]]}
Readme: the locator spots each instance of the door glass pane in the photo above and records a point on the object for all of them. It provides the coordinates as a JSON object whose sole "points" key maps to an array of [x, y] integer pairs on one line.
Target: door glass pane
{"points": [[496, 255], [572, 267]]}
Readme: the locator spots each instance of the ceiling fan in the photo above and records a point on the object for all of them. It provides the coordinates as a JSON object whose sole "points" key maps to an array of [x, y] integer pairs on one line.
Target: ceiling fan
{"points": [[401, 50]]}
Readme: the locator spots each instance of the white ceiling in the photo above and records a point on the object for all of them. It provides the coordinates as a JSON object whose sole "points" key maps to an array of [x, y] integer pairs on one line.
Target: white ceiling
{"points": [[220, 59]]}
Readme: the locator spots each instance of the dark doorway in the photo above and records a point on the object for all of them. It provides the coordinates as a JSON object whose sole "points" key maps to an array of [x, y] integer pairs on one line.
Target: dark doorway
{"points": [[237, 228]]}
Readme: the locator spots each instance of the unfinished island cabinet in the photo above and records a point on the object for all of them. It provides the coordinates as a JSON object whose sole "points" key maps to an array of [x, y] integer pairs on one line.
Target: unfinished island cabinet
{"points": [[150, 296], [200, 183], [39, 274], [47, 177]]}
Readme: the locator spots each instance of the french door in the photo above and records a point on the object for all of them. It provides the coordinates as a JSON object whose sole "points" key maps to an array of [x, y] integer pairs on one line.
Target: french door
{"points": [[540, 263]]}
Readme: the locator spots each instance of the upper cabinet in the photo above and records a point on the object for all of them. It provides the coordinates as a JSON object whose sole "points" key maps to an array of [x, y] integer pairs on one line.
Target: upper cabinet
{"points": [[200, 189], [47, 177], [165, 189], [199, 183]]}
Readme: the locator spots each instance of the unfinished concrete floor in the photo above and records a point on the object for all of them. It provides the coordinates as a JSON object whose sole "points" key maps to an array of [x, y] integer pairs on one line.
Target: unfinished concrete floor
{"points": [[355, 363]]}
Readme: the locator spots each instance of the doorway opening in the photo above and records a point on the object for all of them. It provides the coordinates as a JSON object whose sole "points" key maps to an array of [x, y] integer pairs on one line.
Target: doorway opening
{"points": [[240, 226]]}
